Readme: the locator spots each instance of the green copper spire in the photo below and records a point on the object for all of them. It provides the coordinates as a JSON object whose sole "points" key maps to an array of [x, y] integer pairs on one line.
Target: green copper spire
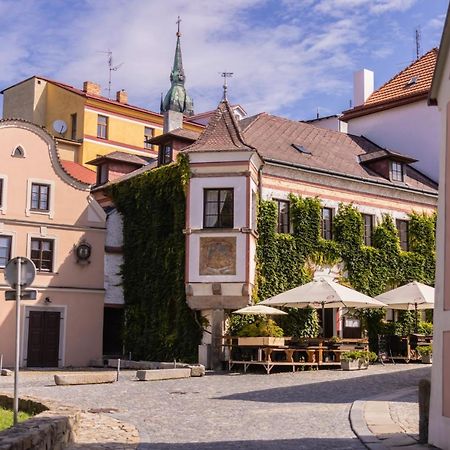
{"points": [[177, 98]]}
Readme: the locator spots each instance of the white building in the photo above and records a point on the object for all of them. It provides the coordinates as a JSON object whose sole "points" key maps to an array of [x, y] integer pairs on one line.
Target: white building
{"points": [[396, 115]]}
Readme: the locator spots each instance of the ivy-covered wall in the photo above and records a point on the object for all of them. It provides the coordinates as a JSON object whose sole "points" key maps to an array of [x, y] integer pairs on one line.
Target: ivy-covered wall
{"points": [[158, 323], [285, 261]]}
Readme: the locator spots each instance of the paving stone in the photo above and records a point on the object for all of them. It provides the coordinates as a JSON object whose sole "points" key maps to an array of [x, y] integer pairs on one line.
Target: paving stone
{"points": [[162, 374]]}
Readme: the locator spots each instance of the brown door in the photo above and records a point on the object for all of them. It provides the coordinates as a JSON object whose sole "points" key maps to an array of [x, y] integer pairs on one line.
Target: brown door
{"points": [[43, 339]]}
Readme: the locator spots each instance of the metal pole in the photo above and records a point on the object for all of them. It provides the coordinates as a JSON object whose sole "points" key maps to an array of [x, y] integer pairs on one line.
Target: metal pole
{"points": [[415, 317], [118, 369], [16, 365], [323, 319]]}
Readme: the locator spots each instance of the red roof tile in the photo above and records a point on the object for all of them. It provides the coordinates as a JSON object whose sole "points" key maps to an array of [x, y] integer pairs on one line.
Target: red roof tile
{"points": [[221, 134], [79, 172], [412, 82]]}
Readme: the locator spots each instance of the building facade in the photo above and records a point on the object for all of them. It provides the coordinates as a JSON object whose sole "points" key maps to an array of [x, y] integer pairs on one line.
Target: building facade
{"points": [[48, 215], [400, 104], [439, 422]]}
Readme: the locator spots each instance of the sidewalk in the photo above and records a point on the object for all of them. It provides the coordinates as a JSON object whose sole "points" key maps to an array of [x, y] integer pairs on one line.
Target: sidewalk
{"points": [[388, 423]]}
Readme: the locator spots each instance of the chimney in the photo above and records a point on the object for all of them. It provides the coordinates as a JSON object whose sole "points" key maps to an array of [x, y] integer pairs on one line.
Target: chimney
{"points": [[362, 86], [92, 88], [122, 96]]}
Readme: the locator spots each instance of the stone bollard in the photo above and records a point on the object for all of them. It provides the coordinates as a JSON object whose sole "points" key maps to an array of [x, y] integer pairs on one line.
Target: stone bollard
{"points": [[424, 409]]}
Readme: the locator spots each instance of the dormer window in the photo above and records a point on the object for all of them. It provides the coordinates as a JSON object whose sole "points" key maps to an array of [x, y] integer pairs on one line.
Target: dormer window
{"points": [[102, 174], [165, 154], [396, 171]]}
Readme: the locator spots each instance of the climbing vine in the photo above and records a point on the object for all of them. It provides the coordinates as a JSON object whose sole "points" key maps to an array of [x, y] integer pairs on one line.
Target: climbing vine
{"points": [[284, 260], [158, 323]]}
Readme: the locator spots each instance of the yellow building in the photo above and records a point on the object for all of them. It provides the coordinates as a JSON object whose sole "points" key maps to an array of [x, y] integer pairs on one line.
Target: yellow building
{"points": [[85, 124]]}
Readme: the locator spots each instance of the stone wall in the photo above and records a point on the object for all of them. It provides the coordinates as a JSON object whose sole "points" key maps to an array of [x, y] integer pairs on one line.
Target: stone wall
{"points": [[52, 427]]}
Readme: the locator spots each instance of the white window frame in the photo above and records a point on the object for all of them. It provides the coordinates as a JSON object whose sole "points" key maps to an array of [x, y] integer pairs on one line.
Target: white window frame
{"points": [[43, 235], [51, 201], [62, 309], [4, 199], [11, 234]]}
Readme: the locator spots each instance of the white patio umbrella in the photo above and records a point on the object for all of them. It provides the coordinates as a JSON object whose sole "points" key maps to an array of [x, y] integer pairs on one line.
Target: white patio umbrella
{"points": [[323, 293], [409, 297], [260, 309]]}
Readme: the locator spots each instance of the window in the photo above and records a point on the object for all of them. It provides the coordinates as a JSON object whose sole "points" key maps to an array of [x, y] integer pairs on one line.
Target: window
{"points": [[403, 233], [42, 254], [368, 228], [40, 197], [165, 154], [218, 207], [396, 171], [102, 127], [148, 134], [18, 152], [73, 121], [326, 223], [1, 192], [5, 249], [283, 216], [102, 173]]}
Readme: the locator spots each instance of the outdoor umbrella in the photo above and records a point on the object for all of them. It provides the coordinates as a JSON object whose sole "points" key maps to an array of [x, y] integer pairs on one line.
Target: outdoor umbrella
{"points": [[260, 309], [323, 293], [411, 296]]}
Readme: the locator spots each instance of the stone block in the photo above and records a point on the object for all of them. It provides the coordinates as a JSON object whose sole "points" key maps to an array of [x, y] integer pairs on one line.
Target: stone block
{"points": [[162, 374], [85, 378], [6, 372], [198, 370]]}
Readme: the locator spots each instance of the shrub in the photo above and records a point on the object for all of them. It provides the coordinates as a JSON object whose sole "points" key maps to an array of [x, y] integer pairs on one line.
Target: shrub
{"points": [[362, 355], [261, 328], [425, 350]]}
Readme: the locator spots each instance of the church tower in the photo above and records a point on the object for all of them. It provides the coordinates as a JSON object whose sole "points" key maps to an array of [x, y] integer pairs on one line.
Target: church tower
{"points": [[177, 102]]}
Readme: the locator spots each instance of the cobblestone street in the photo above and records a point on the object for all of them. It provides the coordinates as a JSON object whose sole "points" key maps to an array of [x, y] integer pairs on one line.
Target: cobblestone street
{"points": [[303, 410]]}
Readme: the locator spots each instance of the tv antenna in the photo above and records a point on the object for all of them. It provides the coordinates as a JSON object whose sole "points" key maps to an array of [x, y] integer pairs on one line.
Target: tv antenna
{"points": [[418, 39], [112, 68], [225, 75]]}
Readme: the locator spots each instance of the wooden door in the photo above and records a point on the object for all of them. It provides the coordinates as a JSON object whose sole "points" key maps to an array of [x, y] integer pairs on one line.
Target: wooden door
{"points": [[43, 339]]}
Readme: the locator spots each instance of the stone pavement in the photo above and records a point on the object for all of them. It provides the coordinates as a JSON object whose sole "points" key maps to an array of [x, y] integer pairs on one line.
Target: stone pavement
{"points": [[391, 422], [302, 410]]}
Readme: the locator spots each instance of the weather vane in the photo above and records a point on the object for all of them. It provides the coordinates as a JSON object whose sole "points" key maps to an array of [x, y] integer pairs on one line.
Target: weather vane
{"points": [[225, 75]]}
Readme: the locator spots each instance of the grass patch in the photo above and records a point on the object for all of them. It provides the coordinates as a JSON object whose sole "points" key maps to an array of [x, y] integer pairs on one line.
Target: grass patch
{"points": [[6, 418]]}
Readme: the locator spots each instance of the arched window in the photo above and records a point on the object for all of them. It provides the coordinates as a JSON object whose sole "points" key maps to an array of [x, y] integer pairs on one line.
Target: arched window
{"points": [[18, 152]]}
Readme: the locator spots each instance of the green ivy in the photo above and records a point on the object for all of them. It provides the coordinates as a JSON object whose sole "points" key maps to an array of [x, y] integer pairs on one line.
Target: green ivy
{"points": [[158, 323], [283, 259]]}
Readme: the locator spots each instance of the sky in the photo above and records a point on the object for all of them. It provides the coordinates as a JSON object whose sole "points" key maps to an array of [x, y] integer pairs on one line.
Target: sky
{"points": [[288, 57]]}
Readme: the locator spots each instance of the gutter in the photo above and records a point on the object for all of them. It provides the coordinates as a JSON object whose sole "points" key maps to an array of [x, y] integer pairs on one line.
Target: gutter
{"points": [[276, 162]]}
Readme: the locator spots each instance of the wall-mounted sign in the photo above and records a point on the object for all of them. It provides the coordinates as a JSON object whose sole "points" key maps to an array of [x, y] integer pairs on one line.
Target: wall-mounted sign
{"points": [[83, 252]]}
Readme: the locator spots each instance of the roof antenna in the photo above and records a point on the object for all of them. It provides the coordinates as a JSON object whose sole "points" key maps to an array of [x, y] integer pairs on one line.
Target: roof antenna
{"points": [[112, 69], [418, 39], [317, 113], [225, 75]]}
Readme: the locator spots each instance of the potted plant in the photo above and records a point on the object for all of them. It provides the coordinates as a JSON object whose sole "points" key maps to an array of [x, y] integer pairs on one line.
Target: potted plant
{"points": [[426, 353], [334, 342], [261, 332], [357, 359]]}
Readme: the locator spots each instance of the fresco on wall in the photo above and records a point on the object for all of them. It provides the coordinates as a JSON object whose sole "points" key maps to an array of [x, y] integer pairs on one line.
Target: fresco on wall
{"points": [[218, 256]]}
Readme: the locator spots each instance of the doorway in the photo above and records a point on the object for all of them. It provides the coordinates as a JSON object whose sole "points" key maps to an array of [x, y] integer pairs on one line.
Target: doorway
{"points": [[43, 338]]}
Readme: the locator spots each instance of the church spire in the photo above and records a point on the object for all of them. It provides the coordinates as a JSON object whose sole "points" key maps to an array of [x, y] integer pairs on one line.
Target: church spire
{"points": [[177, 98]]}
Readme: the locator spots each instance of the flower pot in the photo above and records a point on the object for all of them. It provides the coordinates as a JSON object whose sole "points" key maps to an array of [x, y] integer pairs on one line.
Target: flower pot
{"points": [[261, 341], [427, 359], [355, 364]]}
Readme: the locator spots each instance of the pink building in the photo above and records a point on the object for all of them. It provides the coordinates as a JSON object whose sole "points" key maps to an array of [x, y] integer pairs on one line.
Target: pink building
{"points": [[48, 215], [439, 426]]}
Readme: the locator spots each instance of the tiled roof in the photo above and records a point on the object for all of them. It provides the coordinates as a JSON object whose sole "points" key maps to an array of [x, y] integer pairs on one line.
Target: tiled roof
{"points": [[412, 82], [221, 134], [78, 172], [320, 149], [180, 133], [120, 156]]}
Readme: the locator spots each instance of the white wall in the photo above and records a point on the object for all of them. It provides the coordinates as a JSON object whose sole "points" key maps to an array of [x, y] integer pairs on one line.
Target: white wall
{"points": [[413, 129]]}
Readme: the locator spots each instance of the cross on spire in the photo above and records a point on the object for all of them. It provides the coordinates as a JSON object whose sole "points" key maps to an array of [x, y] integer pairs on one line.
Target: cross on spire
{"points": [[178, 23], [225, 75]]}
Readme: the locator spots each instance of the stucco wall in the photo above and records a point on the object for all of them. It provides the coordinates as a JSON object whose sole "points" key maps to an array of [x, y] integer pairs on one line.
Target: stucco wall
{"points": [[413, 129]]}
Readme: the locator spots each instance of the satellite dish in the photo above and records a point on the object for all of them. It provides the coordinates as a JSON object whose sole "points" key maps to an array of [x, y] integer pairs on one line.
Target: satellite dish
{"points": [[60, 126]]}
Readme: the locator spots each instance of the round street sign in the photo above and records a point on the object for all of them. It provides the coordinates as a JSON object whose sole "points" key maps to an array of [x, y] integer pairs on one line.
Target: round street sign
{"points": [[28, 271]]}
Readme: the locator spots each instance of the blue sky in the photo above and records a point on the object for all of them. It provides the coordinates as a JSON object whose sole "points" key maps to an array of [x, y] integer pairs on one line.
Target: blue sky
{"points": [[289, 57]]}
